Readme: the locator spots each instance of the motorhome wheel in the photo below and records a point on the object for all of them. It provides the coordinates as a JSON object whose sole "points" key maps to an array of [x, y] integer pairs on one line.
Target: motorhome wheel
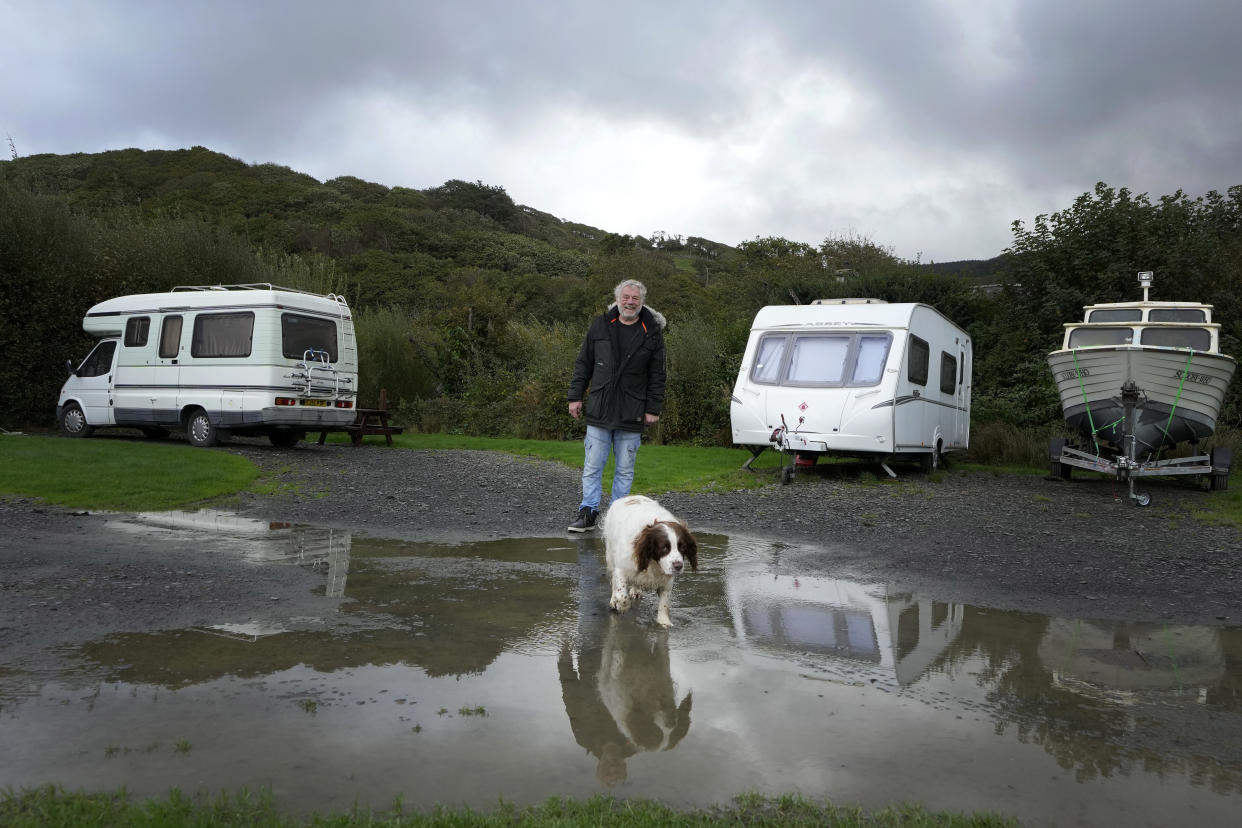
{"points": [[285, 439], [200, 431], [73, 422]]}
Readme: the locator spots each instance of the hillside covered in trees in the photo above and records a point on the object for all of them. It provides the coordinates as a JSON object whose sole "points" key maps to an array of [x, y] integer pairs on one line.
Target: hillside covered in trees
{"points": [[470, 307]]}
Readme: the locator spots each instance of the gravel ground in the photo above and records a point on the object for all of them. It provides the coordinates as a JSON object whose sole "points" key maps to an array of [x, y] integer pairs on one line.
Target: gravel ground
{"points": [[1074, 549]]}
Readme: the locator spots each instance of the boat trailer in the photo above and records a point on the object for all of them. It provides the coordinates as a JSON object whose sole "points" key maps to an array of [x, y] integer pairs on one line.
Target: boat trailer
{"points": [[1127, 467]]}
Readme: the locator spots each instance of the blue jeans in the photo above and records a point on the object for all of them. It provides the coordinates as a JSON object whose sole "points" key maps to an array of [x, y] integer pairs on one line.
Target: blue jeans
{"points": [[598, 443]]}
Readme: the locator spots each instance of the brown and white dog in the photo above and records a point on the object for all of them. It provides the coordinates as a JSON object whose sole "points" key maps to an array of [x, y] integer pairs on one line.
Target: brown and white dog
{"points": [[645, 548]]}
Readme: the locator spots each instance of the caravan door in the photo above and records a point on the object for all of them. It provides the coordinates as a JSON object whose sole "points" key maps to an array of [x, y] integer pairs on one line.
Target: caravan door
{"points": [[93, 386]]}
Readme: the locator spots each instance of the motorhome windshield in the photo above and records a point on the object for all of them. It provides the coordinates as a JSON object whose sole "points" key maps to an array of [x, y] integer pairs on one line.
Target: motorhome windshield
{"points": [[827, 359]]}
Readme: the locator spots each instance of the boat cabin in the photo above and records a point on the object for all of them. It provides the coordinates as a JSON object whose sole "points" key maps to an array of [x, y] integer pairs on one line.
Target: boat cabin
{"points": [[1182, 325]]}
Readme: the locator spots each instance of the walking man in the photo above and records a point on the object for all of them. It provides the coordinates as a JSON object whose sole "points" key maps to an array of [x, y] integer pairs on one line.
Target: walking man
{"points": [[619, 373]]}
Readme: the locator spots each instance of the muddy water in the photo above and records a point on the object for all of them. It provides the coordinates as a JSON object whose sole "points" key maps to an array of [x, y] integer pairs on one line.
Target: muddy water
{"points": [[473, 673]]}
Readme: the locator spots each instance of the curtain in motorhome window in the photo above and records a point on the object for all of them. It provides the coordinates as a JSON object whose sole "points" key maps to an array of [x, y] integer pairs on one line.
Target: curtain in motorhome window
{"points": [[948, 373], [222, 335], [872, 354], [1198, 338], [920, 359], [299, 334], [136, 329], [818, 360], [768, 363], [170, 337]]}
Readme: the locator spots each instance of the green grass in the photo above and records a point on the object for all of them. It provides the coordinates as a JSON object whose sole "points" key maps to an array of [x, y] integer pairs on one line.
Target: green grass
{"points": [[51, 806], [118, 474]]}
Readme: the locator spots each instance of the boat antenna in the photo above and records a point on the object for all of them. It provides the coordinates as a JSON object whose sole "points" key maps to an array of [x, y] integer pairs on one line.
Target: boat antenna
{"points": [[1145, 278]]}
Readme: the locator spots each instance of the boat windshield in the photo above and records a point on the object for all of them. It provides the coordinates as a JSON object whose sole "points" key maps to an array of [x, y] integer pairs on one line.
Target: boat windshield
{"points": [[1116, 315], [1200, 339], [1176, 315], [1087, 337]]}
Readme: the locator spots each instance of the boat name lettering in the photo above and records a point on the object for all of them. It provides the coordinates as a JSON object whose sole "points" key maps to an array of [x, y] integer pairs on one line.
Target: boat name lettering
{"points": [[1076, 372], [1191, 376]]}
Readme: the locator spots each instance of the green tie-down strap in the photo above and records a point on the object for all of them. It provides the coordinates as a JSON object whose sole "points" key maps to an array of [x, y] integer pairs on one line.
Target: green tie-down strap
{"points": [[1090, 419], [1176, 400]]}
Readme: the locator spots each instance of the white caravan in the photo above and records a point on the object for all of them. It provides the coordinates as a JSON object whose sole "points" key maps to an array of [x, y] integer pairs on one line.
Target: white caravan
{"points": [[855, 377], [215, 359]]}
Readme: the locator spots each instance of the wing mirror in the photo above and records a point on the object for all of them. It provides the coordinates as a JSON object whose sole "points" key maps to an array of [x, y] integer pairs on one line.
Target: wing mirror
{"points": [[69, 366]]}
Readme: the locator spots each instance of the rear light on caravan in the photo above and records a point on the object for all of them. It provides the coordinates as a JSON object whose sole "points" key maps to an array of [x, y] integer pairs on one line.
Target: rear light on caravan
{"points": [[344, 404], [286, 401]]}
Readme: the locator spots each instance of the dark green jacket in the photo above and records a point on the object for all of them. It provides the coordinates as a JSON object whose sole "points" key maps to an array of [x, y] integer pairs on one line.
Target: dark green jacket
{"points": [[620, 388]]}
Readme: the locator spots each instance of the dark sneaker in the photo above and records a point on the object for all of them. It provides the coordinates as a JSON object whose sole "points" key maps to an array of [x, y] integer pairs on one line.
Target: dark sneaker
{"points": [[586, 520]]}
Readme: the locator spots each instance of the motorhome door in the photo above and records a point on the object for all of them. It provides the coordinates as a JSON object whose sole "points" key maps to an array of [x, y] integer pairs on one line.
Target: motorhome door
{"points": [[93, 384]]}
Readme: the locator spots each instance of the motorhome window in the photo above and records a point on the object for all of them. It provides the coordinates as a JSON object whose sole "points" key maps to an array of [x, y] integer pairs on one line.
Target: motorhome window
{"points": [[1087, 337], [768, 364], [948, 373], [170, 337], [872, 355], [299, 334], [1116, 315], [818, 360], [99, 361], [136, 330], [1177, 315], [222, 335], [920, 359], [1200, 339]]}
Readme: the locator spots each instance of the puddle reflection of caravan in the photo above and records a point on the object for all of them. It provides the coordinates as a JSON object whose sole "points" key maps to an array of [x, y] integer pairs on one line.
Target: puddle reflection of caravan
{"points": [[859, 625], [853, 377]]}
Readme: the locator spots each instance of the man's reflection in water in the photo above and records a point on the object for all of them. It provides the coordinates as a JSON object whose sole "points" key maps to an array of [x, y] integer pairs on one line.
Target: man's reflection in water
{"points": [[619, 695]]}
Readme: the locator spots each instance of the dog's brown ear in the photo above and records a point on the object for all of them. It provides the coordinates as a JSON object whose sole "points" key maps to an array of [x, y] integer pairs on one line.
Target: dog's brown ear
{"points": [[687, 544], [648, 547]]}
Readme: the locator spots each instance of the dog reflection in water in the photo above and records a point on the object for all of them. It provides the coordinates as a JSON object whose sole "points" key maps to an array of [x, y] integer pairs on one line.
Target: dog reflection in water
{"points": [[620, 696]]}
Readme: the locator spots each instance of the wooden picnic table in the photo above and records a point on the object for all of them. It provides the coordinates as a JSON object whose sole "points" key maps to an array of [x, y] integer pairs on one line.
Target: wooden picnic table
{"points": [[373, 421]]}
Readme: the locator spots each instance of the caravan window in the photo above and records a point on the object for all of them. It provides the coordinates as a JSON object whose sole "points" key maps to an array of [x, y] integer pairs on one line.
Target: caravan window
{"points": [[872, 355], [827, 359], [170, 337], [222, 335], [768, 364], [818, 360], [299, 334], [1199, 339], [920, 359], [948, 373], [136, 330]]}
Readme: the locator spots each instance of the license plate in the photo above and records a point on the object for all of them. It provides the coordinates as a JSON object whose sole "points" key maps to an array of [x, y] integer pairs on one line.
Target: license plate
{"points": [[315, 403]]}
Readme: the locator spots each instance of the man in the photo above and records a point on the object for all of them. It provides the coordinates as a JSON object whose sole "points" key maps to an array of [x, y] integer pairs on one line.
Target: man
{"points": [[622, 362]]}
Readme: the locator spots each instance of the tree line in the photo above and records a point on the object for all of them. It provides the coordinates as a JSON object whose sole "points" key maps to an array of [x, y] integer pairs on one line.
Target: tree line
{"points": [[470, 307]]}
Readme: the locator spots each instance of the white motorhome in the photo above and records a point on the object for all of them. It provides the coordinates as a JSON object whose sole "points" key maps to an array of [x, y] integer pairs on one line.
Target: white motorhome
{"points": [[216, 359], [854, 377]]}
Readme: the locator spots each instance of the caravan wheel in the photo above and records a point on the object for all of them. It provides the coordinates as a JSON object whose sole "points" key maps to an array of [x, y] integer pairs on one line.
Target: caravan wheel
{"points": [[73, 422], [200, 431]]}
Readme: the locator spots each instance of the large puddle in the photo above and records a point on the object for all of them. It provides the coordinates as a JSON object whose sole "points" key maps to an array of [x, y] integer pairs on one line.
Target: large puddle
{"points": [[475, 673]]}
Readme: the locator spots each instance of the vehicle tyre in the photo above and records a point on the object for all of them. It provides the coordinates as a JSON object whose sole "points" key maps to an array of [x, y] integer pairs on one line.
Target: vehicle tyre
{"points": [[787, 475], [931, 461], [155, 433], [285, 439], [200, 431], [1218, 482], [73, 422], [1142, 499]]}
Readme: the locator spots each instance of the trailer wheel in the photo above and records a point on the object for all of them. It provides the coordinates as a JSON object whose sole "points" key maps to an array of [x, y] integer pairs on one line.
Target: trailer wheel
{"points": [[200, 431], [73, 422], [787, 475], [1222, 464], [1142, 499]]}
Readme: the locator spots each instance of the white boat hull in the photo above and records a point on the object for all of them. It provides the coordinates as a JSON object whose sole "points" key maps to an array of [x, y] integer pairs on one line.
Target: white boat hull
{"points": [[1181, 392]]}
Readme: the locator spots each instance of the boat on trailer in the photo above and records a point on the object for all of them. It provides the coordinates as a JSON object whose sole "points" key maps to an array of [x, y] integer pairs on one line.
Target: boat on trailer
{"points": [[1137, 379]]}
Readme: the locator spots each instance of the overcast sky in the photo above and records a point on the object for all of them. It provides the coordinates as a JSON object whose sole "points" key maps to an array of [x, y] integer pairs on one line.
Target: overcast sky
{"points": [[926, 126]]}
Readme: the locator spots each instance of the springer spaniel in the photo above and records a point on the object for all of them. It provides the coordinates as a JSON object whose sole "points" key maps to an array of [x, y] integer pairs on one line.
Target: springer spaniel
{"points": [[645, 548]]}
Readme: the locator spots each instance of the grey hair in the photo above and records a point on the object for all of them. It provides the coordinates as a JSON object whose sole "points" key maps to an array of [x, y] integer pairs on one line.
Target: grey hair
{"points": [[642, 289]]}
